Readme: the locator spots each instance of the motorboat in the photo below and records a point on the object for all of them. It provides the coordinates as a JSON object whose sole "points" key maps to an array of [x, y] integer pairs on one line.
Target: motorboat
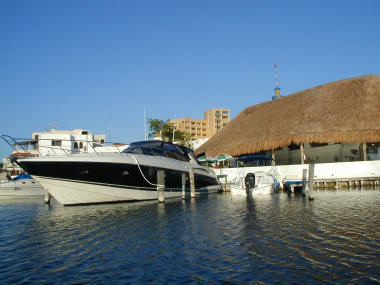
{"points": [[130, 175], [259, 182], [21, 185], [253, 174]]}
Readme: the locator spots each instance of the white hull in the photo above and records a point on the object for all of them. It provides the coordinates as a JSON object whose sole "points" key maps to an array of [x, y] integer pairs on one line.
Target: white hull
{"points": [[78, 193], [260, 190], [27, 187]]}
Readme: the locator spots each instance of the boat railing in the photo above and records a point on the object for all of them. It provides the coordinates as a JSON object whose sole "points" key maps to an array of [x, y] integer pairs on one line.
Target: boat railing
{"points": [[22, 147]]}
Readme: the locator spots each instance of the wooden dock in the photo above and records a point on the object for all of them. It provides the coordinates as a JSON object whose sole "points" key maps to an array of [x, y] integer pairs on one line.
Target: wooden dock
{"points": [[347, 183], [341, 183]]}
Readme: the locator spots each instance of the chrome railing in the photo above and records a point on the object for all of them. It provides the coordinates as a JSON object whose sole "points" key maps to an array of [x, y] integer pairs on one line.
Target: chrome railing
{"points": [[21, 145]]}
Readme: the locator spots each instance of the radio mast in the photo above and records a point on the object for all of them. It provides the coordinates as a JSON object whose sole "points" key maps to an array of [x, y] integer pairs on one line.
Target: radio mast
{"points": [[277, 89]]}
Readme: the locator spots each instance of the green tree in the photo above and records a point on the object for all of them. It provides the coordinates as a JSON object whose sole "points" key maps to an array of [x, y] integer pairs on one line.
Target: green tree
{"points": [[156, 127], [167, 132]]}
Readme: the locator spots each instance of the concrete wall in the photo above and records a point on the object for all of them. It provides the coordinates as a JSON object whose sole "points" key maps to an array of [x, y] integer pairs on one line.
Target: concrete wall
{"points": [[319, 154], [339, 170]]}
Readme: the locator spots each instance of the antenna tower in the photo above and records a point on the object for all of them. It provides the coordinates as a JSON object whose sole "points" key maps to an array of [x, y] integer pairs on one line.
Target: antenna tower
{"points": [[277, 89]]}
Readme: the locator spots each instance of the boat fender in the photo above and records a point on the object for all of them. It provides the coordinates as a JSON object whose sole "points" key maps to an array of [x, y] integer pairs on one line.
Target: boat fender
{"points": [[276, 186], [249, 181]]}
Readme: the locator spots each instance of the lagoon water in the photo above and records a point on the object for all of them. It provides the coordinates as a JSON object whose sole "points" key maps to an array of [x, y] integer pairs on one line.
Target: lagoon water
{"points": [[219, 238]]}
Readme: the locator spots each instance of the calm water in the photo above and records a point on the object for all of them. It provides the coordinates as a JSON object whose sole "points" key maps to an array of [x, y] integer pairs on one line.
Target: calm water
{"points": [[334, 239]]}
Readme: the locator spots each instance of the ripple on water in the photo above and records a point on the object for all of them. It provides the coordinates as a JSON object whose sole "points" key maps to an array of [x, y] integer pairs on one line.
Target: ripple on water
{"points": [[267, 239]]}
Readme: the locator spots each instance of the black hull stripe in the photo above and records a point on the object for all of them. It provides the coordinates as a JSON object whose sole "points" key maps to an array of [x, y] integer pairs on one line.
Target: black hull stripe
{"points": [[114, 175], [123, 186]]}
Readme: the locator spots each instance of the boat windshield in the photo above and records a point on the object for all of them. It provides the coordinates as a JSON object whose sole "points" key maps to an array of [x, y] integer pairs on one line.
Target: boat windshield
{"points": [[253, 160], [159, 148]]}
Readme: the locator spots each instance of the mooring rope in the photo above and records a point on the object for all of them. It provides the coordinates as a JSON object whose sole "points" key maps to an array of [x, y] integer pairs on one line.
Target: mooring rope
{"points": [[138, 165]]}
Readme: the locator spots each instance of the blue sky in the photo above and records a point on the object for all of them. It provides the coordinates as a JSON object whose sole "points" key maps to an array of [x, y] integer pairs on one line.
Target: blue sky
{"points": [[96, 64]]}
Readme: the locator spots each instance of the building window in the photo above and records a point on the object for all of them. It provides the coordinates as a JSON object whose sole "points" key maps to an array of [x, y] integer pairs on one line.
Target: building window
{"points": [[80, 145], [56, 143], [76, 145]]}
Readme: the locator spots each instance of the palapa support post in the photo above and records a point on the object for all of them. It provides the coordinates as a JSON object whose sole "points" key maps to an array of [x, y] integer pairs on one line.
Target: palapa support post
{"points": [[311, 181], [273, 158], [192, 182], [304, 182], [183, 185], [302, 154], [161, 186], [364, 145]]}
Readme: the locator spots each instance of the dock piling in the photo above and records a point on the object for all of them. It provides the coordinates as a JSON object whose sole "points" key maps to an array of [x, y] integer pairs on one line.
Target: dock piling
{"points": [[183, 185], [311, 181], [192, 182], [47, 198], [161, 186], [304, 183]]}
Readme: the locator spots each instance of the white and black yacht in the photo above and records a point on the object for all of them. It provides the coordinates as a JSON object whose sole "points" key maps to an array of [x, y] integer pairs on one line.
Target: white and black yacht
{"points": [[130, 175]]}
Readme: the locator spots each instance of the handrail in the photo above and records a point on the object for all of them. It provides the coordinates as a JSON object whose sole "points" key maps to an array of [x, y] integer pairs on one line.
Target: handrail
{"points": [[52, 150], [6, 139]]}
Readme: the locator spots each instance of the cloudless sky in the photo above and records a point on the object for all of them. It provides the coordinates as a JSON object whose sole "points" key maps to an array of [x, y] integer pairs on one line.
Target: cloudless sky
{"points": [[96, 64]]}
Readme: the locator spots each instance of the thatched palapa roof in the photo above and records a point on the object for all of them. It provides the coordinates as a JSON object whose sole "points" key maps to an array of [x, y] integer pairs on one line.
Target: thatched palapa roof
{"points": [[344, 111]]}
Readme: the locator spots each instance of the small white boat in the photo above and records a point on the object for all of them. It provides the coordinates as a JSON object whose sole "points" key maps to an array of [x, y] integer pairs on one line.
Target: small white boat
{"points": [[248, 181], [22, 185], [255, 183]]}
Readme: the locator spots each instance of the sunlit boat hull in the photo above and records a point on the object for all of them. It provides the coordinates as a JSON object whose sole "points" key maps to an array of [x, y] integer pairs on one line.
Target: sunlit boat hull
{"points": [[262, 190], [91, 179], [78, 193]]}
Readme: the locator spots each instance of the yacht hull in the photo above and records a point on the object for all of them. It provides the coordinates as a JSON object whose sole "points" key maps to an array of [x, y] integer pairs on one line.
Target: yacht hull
{"points": [[95, 179], [79, 193]]}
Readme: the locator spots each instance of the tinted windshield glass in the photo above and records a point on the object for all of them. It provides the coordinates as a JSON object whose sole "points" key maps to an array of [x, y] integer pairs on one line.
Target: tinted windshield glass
{"points": [[158, 148]]}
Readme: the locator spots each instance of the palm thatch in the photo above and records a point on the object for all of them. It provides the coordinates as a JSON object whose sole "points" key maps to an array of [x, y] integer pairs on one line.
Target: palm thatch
{"points": [[344, 111]]}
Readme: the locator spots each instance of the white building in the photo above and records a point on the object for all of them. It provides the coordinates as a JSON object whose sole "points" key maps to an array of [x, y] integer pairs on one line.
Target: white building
{"points": [[55, 142], [58, 142]]}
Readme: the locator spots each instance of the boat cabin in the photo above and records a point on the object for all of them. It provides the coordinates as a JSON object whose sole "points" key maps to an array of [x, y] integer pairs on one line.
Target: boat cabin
{"points": [[160, 148]]}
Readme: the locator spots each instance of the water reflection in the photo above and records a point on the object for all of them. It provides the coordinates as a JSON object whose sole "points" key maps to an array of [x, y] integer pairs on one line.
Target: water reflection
{"points": [[279, 238]]}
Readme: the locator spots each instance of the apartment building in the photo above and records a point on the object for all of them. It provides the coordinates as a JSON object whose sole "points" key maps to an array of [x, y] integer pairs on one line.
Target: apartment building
{"points": [[214, 120]]}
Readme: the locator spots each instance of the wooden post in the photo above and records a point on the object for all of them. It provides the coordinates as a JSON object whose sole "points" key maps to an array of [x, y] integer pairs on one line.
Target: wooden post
{"points": [[273, 157], [161, 185], [192, 182], [183, 185], [302, 154], [304, 183], [364, 146], [311, 181], [47, 198]]}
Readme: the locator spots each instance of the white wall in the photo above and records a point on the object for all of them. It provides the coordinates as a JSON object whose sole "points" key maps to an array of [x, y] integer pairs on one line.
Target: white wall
{"points": [[321, 154], [45, 146], [338, 170]]}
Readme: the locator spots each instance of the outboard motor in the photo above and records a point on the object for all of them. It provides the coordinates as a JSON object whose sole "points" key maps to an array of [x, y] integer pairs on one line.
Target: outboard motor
{"points": [[249, 181]]}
